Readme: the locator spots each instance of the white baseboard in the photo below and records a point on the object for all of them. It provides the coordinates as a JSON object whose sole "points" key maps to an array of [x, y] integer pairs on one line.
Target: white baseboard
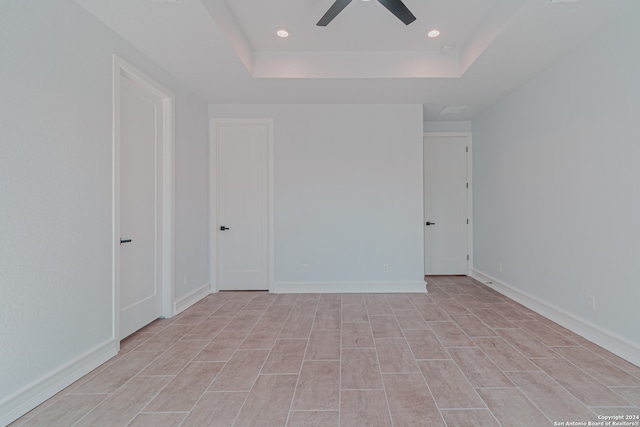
{"points": [[193, 297], [605, 339], [348, 287], [22, 401]]}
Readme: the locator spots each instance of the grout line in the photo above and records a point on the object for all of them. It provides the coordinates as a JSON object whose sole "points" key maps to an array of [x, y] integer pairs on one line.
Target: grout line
{"points": [[464, 292], [304, 355], [256, 378], [378, 358], [221, 369]]}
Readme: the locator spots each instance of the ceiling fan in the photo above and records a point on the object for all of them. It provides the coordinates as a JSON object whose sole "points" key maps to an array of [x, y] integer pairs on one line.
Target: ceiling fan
{"points": [[394, 6]]}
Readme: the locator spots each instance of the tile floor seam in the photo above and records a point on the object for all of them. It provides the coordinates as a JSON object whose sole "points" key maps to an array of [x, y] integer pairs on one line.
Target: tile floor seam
{"points": [[524, 393], [591, 376], [121, 386], [304, 355], [384, 388], [253, 384], [468, 381], [225, 365], [213, 379], [363, 389], [185, 365], [424, 378], [471, 296], [205, 389], [563, 388]]}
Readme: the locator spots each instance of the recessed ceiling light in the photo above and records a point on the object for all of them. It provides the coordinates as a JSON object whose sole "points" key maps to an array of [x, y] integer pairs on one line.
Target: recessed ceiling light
{"points": [[283, 33], [433, 33]]}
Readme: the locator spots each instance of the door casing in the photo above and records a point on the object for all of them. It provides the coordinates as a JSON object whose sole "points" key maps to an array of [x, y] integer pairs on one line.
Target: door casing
{"points": [[214, 202], [122, 68], [468, 136]]}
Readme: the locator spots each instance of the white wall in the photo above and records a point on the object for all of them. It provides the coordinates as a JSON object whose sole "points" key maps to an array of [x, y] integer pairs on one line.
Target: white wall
{"points": [[192, 195], [348, 194], [556, 174], [55, 189], [447, 126]]}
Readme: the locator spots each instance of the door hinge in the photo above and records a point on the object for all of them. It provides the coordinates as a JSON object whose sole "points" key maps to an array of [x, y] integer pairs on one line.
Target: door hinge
{"points": [[467, 257], [467, 185], [467, 221], [467, 149]]}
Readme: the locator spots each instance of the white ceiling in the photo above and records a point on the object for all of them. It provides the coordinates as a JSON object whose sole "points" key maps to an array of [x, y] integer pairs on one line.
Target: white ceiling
{"points": [[362, 26], [227, 51]]}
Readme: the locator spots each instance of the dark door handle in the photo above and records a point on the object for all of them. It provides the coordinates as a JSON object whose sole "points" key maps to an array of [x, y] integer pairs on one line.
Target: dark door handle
{"points": [[125, 241], [430, 223], [223, 228]]}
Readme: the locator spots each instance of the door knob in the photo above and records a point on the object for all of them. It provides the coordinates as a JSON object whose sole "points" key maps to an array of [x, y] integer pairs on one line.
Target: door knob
{"points": [[430, 223], [223, 228]]}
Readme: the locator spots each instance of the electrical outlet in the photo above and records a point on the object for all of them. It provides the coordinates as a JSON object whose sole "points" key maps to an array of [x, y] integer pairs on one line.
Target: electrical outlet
{"points": [[591, 302], [305, 268], [386, 268], [500, 267]]}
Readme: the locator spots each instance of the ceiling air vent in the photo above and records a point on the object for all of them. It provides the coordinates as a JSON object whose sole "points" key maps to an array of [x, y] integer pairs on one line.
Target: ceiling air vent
{"points": [[455, 109]]}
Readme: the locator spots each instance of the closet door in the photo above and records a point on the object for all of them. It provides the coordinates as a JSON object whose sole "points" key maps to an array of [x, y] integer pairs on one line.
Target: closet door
{"points": [[445, 205]]}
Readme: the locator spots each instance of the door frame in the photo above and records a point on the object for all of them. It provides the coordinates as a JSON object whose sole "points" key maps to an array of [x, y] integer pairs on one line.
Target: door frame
{"points": [[468, 136], [121, 68], [214, 207]]}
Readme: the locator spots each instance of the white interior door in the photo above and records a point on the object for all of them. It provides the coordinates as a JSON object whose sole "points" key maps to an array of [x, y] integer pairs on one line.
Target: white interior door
{"points": [[141, 138], [242, 224], [445, 197]]}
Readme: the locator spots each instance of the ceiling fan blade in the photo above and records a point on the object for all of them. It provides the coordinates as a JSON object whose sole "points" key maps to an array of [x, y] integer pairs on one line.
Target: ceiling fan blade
{"points": [[399, 9], [333, 11]]}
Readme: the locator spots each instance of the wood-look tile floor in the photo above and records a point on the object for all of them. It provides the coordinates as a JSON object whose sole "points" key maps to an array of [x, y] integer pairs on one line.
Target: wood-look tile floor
{"points": [[461, 355]]}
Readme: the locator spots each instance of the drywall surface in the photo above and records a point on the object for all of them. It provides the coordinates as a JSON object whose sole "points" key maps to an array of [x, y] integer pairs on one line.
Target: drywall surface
{"points": [[348, 191], [191, 195], [556, 173], [447, 126], [56, 302]]}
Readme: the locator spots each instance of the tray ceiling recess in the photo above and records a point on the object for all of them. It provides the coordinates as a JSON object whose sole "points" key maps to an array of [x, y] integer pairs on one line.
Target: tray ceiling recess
{"points": [[227, 51]]}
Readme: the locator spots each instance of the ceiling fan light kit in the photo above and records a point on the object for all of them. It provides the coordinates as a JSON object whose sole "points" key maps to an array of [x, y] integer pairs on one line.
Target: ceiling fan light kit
{"points": [[397, 7]]}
